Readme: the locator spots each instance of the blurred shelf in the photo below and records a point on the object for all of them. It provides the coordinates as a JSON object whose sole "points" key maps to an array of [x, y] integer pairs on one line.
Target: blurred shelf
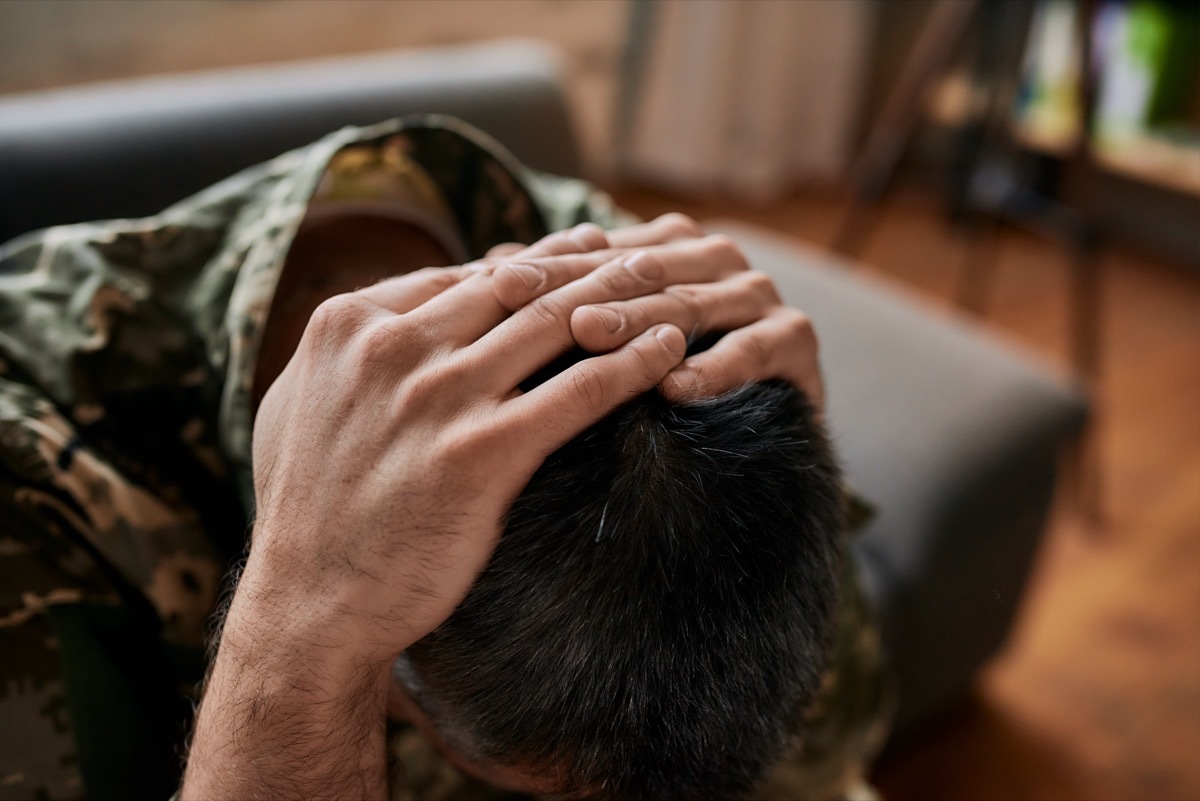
{"points": [[1149, 159], [1153, 160]]}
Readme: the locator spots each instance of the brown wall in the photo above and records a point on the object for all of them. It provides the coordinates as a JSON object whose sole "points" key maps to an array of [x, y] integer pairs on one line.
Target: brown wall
{"points": [[47, 43]]}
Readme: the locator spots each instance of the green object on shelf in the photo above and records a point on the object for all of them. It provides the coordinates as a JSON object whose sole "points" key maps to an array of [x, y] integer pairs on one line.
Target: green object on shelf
{"points": [[1176, 99]]}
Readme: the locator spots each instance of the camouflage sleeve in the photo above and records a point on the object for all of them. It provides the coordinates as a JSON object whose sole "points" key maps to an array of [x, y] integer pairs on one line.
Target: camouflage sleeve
{"points": [[565, 202], [104, 585], [420, 772], [38, 757], [90, 701]]}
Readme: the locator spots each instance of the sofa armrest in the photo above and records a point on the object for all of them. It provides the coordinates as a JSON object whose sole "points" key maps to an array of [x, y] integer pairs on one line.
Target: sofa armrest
{"points": [[955, 435], [132, 148]]}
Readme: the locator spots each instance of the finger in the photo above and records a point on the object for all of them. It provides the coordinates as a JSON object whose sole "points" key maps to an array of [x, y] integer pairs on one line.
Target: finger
{"points": [[504, 250], [474, 307], [541, 330], [403, 293], [659, 231], [782, 345], [518, 283], [581, 395], [583, 238], [694, 308]]}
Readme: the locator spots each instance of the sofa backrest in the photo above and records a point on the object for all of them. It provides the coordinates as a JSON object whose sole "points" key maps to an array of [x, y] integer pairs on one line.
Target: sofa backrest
{"points": [[131, 148]]}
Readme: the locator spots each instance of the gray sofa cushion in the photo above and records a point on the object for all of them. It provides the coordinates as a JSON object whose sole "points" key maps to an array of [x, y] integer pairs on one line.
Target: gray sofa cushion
{"points": [[954, 434]]}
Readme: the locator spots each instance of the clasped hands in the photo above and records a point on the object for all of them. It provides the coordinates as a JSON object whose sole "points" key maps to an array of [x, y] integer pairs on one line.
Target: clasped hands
{"points": [[390, 448]]}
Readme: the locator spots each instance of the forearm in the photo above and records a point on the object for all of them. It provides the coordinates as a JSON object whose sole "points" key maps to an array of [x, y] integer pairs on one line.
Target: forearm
{"points": [[289, 711]]}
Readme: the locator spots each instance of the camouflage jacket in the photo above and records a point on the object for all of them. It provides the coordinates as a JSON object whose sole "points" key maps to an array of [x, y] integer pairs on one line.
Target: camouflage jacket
{"points": [[127, 350]]}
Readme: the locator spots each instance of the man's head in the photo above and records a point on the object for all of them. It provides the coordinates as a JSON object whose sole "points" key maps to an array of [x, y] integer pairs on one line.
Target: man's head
{"points": [[658, 609]]}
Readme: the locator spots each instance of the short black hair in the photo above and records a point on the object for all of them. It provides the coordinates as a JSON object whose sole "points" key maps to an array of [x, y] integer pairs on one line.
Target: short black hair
{"points": [[659, 609]]}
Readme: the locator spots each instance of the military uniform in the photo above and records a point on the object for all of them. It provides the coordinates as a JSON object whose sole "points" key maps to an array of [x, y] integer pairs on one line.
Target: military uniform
{"points": [[127, 353]]}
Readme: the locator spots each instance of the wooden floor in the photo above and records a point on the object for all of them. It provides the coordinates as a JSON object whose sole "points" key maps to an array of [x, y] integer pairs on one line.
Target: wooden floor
{"points": [[1097, 695]]}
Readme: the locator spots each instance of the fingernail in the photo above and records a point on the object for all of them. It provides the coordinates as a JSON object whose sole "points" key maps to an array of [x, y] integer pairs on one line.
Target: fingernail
{"points": [[681, 375], [645, 265], [611, 320], [530, 276], [672, 387], [585, 235], [671, 336], [685, 380]]}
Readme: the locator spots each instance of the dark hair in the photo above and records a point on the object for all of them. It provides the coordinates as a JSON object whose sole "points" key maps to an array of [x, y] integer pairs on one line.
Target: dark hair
{"points": [[659, 608]]}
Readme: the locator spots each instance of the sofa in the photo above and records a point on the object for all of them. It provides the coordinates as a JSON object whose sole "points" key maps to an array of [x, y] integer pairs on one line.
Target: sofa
{"points": [[953, 434]]}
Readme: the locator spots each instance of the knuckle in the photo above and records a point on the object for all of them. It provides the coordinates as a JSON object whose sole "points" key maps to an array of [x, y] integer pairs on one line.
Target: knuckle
{"points": [[431, 383], [727, 251], [418, 387], [757, 348], [617, 279], [556, 242], [627, 276], [503, 249], [763, 286], [590, 386], [450, 376], [587, 237], [691, 300], [463, 443], [799, 325], [440, 277], [485, 266], [550, 310], [378, 343], [799, 329], [680, 226], [336, 317]]}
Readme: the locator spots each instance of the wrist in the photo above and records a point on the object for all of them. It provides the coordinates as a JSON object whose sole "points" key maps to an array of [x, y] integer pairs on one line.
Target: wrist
{"points": [[291, 671], [279, 618], [286, 713], [323, 596], [297, 580]]}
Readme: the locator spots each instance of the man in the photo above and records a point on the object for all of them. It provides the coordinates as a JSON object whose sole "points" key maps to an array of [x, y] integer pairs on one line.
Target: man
{"points": [[392, 439]]}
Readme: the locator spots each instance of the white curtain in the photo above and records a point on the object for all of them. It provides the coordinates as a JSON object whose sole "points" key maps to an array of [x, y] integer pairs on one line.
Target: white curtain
{"points": [[748, 97]]}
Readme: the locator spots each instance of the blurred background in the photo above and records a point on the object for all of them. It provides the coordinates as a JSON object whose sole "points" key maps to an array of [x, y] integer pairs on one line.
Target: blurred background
{"points": [[1033, 165]]}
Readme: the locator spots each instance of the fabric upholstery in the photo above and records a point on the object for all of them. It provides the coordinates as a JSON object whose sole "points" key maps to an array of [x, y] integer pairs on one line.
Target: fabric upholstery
{"points": [[954, 434]]}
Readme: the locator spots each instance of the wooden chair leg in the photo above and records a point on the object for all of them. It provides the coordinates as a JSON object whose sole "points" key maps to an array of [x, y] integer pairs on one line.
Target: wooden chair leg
{"points": [[1086, 353], [891, 131]]}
